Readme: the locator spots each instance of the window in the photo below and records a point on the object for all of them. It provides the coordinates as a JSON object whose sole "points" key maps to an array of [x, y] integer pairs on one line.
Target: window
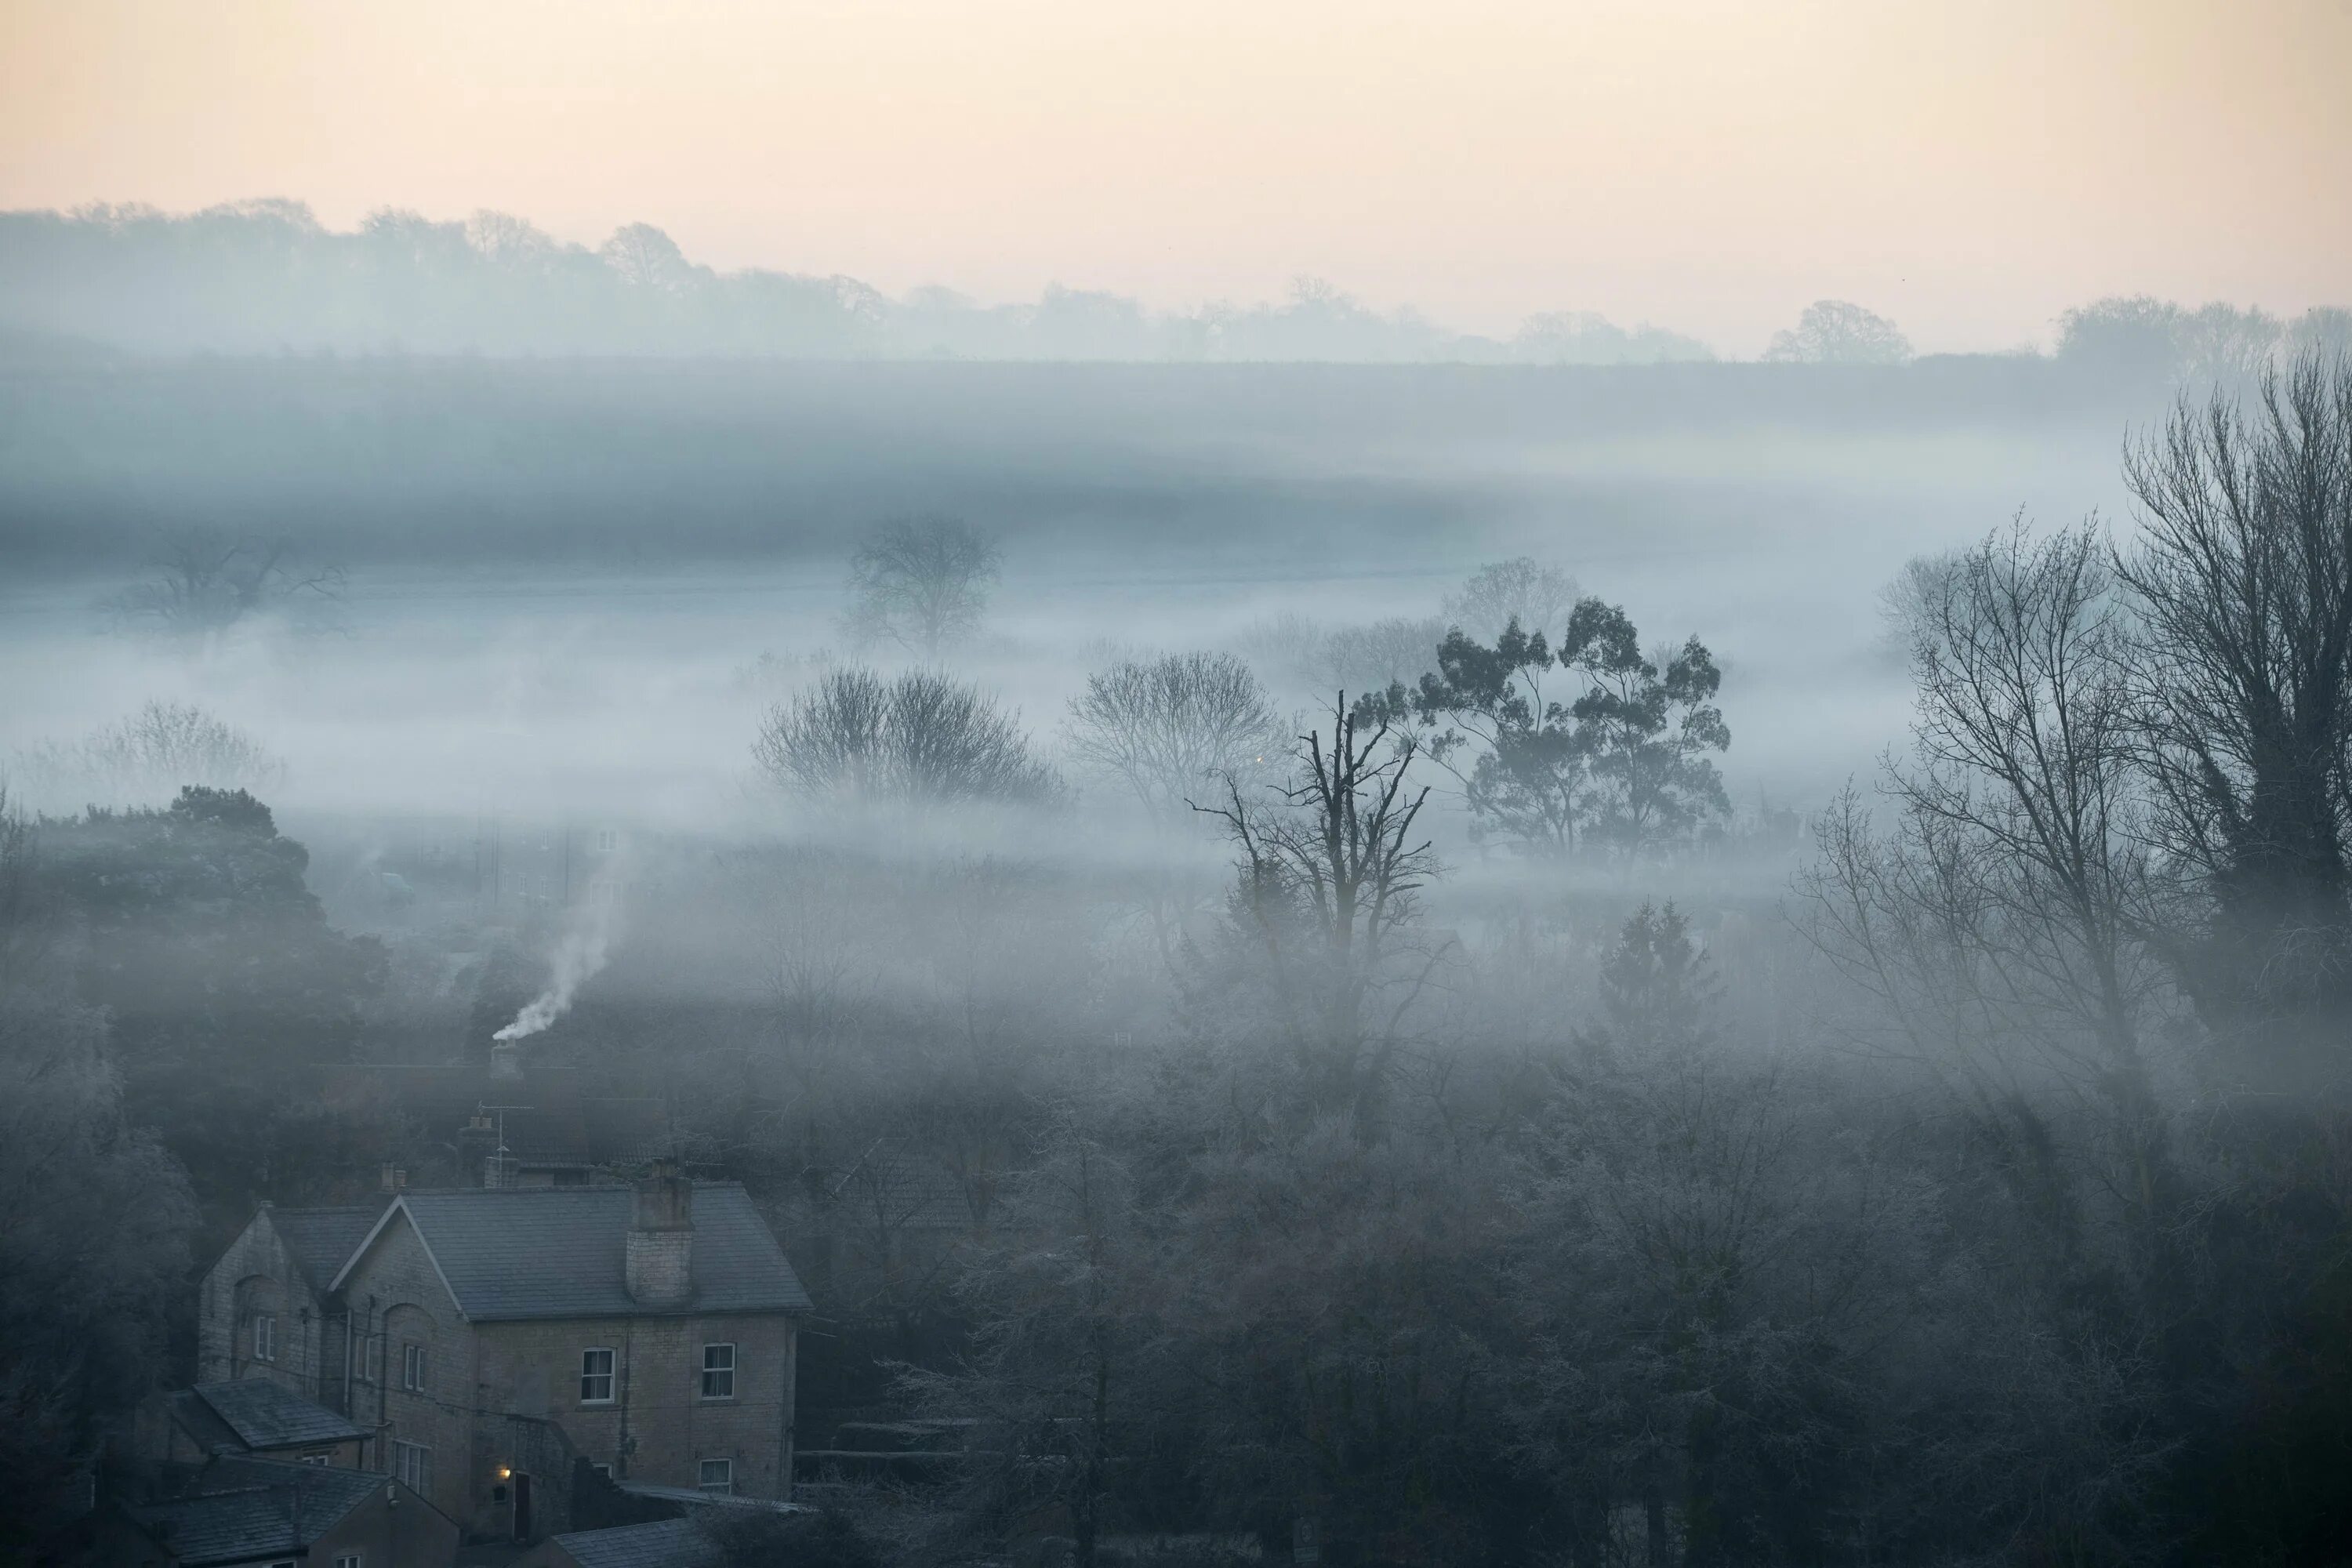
{"points": [[717, 1476], [718, 1372], [265, 1336], [607, 840], [323, 1460], [412, 1367], [412, 1463], [370, 1358], [597, 1377], [349, 1559]]}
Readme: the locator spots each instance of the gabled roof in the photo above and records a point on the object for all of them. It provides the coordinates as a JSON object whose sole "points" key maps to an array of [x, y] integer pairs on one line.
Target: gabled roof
{"points": [[511, 1253], [239, 1510], [260, 1414], [664, 1543], [321, 1239]]}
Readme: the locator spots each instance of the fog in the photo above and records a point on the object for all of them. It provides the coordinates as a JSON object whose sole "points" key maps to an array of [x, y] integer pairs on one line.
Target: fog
{"points": [[559, 578], [1309, 932]]}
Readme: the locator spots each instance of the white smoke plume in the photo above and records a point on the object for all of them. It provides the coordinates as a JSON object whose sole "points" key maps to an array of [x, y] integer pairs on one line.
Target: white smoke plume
{"points": [[582, 951]]}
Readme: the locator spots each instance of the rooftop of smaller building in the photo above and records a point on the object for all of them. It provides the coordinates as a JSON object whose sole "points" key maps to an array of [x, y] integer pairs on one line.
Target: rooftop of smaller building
{"points": [[236, 1510], [257, 1415], [664, 1543]]}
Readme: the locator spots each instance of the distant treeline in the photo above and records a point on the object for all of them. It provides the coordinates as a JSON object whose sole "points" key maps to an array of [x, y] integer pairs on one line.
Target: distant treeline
{"points": [[262, 276]]}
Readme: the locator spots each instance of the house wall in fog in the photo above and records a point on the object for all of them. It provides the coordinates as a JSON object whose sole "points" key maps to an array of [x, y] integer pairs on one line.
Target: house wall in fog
{"points": [[256, 1277]]}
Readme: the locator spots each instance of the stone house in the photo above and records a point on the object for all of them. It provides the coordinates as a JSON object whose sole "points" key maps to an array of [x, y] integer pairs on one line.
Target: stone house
{"points": [[492, 1341]]}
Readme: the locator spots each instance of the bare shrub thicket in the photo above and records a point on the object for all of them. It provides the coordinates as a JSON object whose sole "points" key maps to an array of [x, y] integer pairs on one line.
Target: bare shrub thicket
{"points": [[919, 738], [146, 758], [1167, 729]]}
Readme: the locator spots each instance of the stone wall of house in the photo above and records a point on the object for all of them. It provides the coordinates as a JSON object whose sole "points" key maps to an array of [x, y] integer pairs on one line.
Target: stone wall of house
{"points": [[257, 1274], [396, 1294], [657, 1428]]}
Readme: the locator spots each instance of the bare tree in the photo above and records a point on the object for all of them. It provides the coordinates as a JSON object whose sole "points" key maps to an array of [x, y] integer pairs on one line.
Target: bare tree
{"points": [[202, 581], [2024, 745], [921, 582], [1833, 332], [1331, 878], [1164, 727], [2243, 579], [916, 739], [1539, 597]]}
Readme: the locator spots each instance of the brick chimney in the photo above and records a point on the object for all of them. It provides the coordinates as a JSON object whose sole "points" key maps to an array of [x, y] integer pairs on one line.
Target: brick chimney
{"points": [[506, 1062], [661, 1239]]}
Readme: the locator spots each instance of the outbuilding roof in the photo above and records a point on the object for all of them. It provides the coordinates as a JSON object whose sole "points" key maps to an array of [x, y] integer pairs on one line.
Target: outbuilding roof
{"points": [[257, 1413], [244, 1510], [664, 1543], [511, 1253]]}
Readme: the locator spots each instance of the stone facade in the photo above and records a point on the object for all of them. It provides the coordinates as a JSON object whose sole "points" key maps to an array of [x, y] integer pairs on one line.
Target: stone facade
{"points": [[261, 1316]]}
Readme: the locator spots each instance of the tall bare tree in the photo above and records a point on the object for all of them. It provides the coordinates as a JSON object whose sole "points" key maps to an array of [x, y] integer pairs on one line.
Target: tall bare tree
{"points": [[2244, 580], [1331, 871], [2024, 740]]}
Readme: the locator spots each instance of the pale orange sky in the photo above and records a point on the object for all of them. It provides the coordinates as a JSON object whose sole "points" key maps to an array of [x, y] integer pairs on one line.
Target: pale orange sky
{"points": [[1970, 169]]}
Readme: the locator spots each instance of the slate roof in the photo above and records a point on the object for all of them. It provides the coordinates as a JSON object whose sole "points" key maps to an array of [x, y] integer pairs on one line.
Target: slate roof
{"points": [[261, 1414], [238, 1510], [513, 1253], [664, 1543], [323, 1239]]}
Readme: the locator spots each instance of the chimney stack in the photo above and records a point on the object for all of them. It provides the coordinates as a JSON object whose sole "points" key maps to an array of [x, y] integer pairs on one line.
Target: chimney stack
{"points": [[506, 1062], [661, 1239], [391, 1178], [477, 1144]]}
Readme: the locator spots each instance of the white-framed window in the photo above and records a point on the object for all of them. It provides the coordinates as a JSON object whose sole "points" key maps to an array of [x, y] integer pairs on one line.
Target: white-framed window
{"points": [[349, 1559], [412, 1463], [604, 1470], [607, 840], [370, 1357], [321, 1460], [716, 1476], [265, 1336], [718, 1372], [596, 1377], [412, 1367]]}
